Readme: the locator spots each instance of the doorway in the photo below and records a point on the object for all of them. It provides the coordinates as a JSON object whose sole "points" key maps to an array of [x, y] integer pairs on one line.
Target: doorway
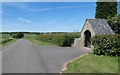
{"points": [[87, 37]]}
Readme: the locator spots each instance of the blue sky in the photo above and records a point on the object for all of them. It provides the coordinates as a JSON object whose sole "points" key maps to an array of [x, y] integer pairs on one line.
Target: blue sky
{"points": [[119, 7], [46, 16]]}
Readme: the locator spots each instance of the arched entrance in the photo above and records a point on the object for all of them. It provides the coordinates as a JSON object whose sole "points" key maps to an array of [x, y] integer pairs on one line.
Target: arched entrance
{"points": [[87, 36]]}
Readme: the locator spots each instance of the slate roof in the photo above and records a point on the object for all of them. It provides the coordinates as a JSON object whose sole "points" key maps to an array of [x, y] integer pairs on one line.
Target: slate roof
{"points": [[100, 26]]}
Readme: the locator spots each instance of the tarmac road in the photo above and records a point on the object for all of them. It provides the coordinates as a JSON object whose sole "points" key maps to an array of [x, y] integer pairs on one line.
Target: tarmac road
{"points": [[24, 57]]}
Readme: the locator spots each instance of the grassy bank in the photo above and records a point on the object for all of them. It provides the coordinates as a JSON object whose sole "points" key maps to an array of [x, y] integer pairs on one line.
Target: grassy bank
{"points": [[38, 42], [53, 39], [6, 42], [93, 64]]}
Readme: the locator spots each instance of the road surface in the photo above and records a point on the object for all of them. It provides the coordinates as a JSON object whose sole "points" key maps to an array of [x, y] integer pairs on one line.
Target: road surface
{"points": [[24, 57]]}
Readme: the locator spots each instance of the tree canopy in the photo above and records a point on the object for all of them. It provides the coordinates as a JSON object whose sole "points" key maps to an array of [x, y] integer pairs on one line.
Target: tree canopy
{"points": [[106, 9], [115, 23]]}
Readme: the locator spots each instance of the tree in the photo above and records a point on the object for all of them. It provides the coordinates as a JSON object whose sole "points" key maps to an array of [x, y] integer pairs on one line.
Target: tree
{"points": [[18, 35], [106, 9], [115, 23]]}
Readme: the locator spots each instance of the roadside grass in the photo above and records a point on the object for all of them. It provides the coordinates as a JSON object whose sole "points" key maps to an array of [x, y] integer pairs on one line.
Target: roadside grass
{"points": [[29, 35], [93, 64], [38, 42], [7, 43]]}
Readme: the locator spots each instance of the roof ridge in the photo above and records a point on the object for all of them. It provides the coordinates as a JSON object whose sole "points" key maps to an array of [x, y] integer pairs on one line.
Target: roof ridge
{"points": [[94, 19], [91, 18]]}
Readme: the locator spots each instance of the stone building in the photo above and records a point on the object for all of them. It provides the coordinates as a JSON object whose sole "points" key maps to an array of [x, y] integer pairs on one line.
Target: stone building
{"points": [[90, 29]]}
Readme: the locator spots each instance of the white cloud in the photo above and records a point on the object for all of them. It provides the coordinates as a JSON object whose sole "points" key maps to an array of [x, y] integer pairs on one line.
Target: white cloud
{"points": [[24, 6], [44, 9], [24, 20], [18, 5], [47, 9], [75, 6]]}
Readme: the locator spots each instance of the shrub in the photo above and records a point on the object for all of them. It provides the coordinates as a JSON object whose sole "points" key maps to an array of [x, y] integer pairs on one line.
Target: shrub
{"points": [[69, 39], [106, 45]]}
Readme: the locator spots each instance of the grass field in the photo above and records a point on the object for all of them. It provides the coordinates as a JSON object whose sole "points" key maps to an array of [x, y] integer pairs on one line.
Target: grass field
{"points": [[32, 38], [93, 64], [4, 35]]}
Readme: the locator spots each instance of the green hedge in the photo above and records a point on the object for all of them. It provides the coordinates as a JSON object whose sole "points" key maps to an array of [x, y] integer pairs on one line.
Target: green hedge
{"points": [[106, 45], [58, 39]]}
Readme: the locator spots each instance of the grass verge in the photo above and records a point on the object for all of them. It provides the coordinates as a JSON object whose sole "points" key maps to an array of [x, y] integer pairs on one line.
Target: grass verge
{"points": [[7, 43], [93, 64], [38, 42]]}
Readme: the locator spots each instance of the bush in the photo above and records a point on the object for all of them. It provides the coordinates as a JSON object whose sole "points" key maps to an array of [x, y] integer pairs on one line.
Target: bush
{"points": [[106, 45], [58, 39], [18, 35]]}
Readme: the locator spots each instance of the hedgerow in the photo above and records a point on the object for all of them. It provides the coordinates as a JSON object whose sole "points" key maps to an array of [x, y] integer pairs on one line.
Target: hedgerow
{"points": [[58, 39], [106, 44], [5, 41]]}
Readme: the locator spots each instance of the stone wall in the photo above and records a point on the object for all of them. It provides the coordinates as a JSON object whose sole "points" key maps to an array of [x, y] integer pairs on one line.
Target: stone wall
{"points": [[77, 42]]}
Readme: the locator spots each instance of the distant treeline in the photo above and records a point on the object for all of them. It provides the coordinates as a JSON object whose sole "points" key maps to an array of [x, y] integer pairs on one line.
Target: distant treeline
{"points": [[19, 32], [38, 32], [34, 34]]}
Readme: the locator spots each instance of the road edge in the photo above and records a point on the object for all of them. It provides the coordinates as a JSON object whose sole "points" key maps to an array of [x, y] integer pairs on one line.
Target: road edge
{"points": [[65, 65]]}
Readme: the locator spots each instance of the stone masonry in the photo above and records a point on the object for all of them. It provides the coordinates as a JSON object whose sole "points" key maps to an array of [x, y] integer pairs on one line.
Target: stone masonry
{"points": [[90, 29]]}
